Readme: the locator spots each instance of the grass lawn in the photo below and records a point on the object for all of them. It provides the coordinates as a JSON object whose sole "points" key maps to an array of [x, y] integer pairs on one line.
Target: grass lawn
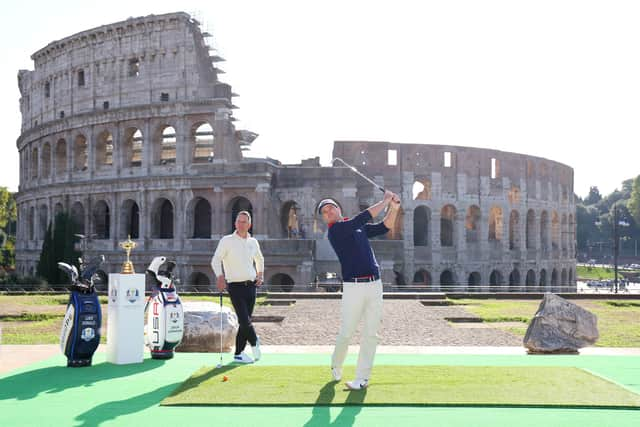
{"points": [[441, 385], [617, 320], [594, 273], [37, 319], [597, 273]]}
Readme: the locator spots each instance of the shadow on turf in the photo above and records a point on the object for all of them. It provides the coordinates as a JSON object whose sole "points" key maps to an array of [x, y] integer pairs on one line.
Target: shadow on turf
{"points": [[54, 379], [321, 413], [119, 408], [195, 381]]}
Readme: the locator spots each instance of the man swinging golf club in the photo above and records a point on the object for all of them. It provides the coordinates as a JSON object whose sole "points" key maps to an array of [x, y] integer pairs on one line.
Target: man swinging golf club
{"points": [[362, 287]]}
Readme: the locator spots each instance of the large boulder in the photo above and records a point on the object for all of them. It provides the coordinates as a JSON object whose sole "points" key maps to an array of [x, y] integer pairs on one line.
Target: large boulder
{"points": [[560, 326], [202, 329]]}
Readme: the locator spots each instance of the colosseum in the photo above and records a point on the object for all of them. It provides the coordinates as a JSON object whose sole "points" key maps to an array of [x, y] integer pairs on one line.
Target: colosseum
{"points": [[128, 128]]}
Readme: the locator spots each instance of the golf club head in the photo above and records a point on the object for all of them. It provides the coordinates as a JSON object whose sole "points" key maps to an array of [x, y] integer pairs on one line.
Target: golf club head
{"points": [[219, 365]]}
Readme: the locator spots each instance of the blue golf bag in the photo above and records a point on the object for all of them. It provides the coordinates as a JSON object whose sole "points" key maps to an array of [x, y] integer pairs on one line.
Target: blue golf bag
{"points": [[80, 334]]}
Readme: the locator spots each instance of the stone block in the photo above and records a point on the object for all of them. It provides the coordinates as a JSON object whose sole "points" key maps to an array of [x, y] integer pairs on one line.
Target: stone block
{"points": [[560, 326], [203, 330]]}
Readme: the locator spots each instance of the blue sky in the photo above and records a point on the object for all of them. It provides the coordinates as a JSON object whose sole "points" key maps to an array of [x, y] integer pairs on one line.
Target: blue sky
{"points": [[556, 79]]}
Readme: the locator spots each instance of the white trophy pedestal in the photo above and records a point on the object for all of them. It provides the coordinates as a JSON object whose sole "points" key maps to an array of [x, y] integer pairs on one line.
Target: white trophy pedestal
{"points": [[125, 321]]}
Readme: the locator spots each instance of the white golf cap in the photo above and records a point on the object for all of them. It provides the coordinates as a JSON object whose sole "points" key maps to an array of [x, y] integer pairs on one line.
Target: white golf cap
{"points": [[326, 202]]}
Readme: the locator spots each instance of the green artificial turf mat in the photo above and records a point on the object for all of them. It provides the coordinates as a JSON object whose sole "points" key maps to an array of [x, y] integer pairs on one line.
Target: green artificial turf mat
{"points": [[440, 385]]}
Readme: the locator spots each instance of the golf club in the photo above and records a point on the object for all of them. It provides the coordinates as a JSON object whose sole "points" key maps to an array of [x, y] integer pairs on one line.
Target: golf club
{"points": [[358, 173], [220, 364]]}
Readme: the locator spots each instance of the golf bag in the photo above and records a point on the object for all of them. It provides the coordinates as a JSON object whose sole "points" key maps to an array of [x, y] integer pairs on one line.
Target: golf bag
{"points": [[165, 319], [80, 334]]}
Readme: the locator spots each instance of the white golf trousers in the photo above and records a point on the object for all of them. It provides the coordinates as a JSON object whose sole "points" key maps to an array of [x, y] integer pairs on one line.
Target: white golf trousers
{"points": [[359, 300]]}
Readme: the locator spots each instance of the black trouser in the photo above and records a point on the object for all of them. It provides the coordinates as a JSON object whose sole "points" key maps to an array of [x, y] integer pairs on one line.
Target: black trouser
{"points": [[243, 298]]}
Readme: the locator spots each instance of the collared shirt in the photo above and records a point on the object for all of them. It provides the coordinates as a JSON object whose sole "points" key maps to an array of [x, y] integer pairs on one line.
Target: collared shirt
{"points": [[239, 257], [350, 241]]}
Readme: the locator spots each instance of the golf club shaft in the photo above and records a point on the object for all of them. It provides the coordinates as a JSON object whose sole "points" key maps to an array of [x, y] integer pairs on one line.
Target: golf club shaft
{"points": [[356, 171], [220, 328]]}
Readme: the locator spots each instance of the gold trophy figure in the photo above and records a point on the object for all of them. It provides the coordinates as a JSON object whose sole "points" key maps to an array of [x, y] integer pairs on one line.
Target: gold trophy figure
{"points": [[128, 245]]}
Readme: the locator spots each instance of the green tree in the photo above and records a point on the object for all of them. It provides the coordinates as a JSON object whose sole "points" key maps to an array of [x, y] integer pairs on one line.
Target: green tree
{"points": [[8, 218], [8, 212], [634, 202], [58, 245], [593, 197]]}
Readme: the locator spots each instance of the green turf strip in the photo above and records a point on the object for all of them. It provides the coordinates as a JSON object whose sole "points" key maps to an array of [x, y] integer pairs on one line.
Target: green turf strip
{"points": [[403, 385]]}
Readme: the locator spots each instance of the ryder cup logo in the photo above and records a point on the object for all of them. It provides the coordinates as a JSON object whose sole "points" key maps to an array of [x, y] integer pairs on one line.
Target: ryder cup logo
{"points": [[174, 316], [132, 295], [88, 334]]}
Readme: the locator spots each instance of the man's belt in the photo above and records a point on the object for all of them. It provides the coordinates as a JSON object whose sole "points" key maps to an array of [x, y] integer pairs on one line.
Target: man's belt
{"points": [[244, 282], [361, 279]]}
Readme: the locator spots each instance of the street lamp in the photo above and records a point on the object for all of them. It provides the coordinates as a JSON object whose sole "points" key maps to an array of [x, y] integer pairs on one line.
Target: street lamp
{"points": [[616, 243]]}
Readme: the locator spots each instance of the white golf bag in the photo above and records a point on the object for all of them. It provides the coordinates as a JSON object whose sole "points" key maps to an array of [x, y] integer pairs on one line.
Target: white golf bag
{"points": [[165, 319]]}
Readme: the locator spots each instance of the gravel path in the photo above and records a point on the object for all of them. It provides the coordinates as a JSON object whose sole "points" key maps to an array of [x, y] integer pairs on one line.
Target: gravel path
{"points": [[405, 322]]}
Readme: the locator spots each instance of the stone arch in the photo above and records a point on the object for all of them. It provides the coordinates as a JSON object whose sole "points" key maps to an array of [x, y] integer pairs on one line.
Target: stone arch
{"points": [[572, 237], [104, 149], [554, 278], [422, 278], [530, 229], [162, 219], [514, 279], [43, 221], [564, 237], [34, 163], [514, 230], [421, 220], [290, 219], [555, 231], [281, 282], [447, 225], [200, 219], [164, 145], [130, 219], [31, 223], [238, 204], [447, 278], [80, 153], [199, 281], [474, 281], [101, 220], [543, 278], [544, 231], [531, 279], [472, 224], [60, 163], [77, 215], [495, 281], [46, 160], [421, 189], [57, 210], [495, 223], [202, 142], [132, 147]]}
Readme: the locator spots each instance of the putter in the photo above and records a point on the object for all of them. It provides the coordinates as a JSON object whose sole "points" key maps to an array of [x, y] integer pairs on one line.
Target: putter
{"points": [[379, 187], [219, 365]]}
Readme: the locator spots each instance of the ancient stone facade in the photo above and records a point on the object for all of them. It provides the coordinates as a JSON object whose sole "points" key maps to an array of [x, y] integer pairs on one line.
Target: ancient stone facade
{"points": [[128, 128]]}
